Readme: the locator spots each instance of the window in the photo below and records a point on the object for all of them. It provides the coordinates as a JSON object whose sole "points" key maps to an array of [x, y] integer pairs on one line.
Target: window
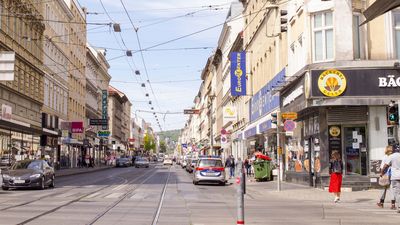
{"points": [[322, 25], [396, 25], [356, 37]]}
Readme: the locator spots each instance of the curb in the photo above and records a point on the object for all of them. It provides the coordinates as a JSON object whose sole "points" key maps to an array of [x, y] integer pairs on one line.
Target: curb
{"points": [[82, 172]]}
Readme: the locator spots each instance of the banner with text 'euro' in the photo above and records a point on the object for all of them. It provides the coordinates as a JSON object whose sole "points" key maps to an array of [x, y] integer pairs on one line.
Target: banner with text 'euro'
{"points": [[238, 73]]}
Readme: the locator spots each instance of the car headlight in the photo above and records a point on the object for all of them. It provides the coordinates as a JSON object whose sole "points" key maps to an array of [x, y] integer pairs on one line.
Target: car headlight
{"points": [[35, 176], [6, 176]]}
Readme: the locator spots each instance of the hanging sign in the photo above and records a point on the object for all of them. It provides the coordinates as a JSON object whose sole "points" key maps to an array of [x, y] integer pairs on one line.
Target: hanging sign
{"points": [[104, 108], [238, 73]]}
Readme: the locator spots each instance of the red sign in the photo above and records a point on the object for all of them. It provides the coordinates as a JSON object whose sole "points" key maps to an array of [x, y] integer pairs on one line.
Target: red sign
{"points": [[289, 125], [131, 139], [77, 127]]}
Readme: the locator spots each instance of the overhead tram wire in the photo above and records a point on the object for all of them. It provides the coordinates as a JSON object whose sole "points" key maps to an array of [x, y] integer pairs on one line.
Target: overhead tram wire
{"points": [[116, 39], [23, 16], [172, 8], [141, 53]]}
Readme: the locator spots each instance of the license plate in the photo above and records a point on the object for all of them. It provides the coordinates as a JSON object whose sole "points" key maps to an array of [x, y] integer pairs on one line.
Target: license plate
{"points": [[19, 181], [210, 174]]}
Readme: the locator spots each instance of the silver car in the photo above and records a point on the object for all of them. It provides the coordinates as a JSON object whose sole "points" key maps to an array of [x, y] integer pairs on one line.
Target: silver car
{"points": [[209, 170], [141, 162]]}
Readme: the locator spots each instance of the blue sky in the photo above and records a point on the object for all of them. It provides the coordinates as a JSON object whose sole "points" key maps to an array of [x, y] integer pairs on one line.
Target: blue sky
{"points": [[158, 21]]}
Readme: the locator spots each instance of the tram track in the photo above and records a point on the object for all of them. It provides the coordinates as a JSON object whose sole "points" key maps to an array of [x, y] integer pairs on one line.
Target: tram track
{"points": [[77, 200]]}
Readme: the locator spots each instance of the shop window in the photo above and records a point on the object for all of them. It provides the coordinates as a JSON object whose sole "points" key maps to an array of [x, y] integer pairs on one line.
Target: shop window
{"points": [[396, 27], [322, 30]]}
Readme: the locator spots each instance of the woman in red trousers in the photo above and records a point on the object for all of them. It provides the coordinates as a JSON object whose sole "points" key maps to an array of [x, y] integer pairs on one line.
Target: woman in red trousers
{"points": [[335, 170]]}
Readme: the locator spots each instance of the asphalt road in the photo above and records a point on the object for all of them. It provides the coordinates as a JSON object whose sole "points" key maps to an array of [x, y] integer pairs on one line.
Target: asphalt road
{"points": [[165, 195]]}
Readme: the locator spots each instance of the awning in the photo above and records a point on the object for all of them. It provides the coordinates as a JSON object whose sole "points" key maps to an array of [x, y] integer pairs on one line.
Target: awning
{"points": [[378, 8]]}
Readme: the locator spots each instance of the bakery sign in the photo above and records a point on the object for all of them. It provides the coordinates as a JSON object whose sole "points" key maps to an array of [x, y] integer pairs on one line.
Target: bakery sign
{"points": [[335, 83], [389, 81]]}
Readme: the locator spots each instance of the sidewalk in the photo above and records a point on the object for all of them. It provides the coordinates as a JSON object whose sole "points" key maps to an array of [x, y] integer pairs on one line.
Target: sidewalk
{"points": [[74, 171], [305, 193]]}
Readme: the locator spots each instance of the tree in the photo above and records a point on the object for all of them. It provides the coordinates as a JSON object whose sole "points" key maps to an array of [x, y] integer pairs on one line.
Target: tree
{"points": [[163, 147], [149, 143]]}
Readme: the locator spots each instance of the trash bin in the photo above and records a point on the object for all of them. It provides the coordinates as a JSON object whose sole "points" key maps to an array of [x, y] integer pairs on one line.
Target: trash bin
{"points": [[262, 170]]}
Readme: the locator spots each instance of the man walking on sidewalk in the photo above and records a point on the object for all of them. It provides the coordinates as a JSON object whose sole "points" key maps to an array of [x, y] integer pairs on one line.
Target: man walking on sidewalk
{"points": [[394, 161], [230, 163]]}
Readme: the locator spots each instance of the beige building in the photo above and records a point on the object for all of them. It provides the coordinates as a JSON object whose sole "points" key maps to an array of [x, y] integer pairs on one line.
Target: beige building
{"points": [[119, 111], [21, 98], [97, 82]]}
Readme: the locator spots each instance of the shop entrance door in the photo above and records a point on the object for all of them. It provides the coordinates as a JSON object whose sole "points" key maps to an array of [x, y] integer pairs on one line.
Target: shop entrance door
{"points": [[355, 150]]}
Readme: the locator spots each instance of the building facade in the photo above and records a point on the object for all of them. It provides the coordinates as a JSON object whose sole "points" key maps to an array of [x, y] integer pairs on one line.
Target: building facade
{"points": [[22, 95]]}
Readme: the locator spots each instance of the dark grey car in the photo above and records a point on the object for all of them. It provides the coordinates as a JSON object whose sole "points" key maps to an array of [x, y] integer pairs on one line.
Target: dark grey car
{"points": [[29, 174]]}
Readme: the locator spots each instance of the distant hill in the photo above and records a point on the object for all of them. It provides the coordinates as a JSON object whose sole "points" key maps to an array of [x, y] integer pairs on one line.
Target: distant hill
{"points": [[173, 135]]}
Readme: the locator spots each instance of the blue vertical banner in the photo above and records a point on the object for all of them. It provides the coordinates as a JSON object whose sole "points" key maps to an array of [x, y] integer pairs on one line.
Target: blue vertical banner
{"points": [[238, 73]]}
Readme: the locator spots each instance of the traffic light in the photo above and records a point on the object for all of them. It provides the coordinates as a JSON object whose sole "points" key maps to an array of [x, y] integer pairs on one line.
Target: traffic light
{"points": [[393, 114], [283, 20], [275, 118]]}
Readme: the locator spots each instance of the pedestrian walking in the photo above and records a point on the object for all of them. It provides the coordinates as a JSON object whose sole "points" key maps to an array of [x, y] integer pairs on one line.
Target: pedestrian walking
{"points": [[393, 161], [335, 170], [387, 188], [79, 161], [247, 165], [230, 164], [87, 161]]}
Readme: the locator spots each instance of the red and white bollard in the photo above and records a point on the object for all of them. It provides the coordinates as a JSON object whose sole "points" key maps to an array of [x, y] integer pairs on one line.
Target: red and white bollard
{"points": [[240, 192]]}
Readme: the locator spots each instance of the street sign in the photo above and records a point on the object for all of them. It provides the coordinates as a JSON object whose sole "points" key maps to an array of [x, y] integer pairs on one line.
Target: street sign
{"points": [[103, 133], [289, 125], [289, 133], [289, 115], [224, 139], [98, 122], [191, 111]]}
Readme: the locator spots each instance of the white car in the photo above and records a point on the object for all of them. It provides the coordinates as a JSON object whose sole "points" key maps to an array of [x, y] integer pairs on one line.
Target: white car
{"points": [[167, 161]]}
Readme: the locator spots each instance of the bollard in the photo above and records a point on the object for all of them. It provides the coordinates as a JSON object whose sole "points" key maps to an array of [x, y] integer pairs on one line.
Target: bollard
{"points": [[240, 192]]}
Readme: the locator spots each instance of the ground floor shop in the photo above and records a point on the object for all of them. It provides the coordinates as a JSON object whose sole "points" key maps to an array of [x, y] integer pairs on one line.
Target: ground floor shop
{"points": [[353, 122]]}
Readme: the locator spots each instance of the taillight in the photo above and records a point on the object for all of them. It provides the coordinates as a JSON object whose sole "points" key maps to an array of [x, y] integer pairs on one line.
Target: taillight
{"points": [[219, 169], [199, 169]]}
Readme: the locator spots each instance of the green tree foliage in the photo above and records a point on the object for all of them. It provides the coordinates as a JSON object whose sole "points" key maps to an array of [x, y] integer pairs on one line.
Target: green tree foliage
{"points": [[163, 147], [149, 143]]}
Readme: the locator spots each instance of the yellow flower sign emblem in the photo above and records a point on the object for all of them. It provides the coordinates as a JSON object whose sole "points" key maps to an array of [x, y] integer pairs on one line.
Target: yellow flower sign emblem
{"points": [[332, 83]]}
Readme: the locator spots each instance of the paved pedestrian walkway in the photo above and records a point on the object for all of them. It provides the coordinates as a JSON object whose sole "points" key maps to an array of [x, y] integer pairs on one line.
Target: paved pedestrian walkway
{"points": [[74, 171]]}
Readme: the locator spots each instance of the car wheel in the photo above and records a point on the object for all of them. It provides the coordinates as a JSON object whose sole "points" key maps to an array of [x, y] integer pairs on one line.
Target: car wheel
{"points": [[42, 184], [222, 184], [53, 182], [4, 188]]}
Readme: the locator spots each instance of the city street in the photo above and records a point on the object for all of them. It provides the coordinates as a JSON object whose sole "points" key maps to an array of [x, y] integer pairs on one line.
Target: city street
{"points": [[163, 195]]}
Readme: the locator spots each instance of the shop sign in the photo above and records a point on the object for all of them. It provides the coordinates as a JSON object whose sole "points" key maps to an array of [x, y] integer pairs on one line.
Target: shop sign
{"points": [[332, 83], [191, 111], [289, 115], [103, 133], [389, 81], [359, 82], [131, 139], [265, 126], [6, 112], [263, 102], [238, 73], [335, 138], [250, 132], [7, 61], [104, 108], [65, 133], [98, 122], [229, 114], [65, 125], [77, 127]]}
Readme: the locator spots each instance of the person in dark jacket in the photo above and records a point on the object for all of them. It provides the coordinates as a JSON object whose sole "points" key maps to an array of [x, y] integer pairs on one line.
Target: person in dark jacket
{"points": [[335, 170], [230, 163]]}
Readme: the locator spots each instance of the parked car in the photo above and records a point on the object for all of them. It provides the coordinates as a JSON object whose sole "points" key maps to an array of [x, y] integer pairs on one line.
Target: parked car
{"points": [[29, 174], [123, 162], [191, 165], [167, 161], [142, 162], [5, 160], [209, 170], [183, 164]]}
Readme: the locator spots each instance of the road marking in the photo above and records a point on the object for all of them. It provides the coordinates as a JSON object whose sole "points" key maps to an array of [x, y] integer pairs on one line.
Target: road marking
{"points": [[119, 187], [114, 195], [94, 195], [162, 199]]}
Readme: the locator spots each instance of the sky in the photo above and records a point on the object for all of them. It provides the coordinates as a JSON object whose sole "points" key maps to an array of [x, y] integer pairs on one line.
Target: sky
{"points": [[174, 68]]}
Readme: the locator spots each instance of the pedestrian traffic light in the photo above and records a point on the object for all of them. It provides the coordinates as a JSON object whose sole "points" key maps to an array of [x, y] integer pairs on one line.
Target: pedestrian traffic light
{"points": [[275, 118], [393, 114], [283, 20]]}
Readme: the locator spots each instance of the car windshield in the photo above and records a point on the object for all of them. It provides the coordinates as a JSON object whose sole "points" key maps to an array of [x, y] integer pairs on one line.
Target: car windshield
{"points": [[142, 160], [123, 159], [194, 161], [35, 165], [210, 162]]}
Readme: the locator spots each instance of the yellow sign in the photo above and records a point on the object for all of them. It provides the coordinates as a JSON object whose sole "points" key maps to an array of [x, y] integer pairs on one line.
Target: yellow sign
{"points": [[334, 131], [289, 115], [332, 83]]}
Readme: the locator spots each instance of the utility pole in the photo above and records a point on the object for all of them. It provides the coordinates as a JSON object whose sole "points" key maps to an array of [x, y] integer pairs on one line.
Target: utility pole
{"points": [[276, 119]]}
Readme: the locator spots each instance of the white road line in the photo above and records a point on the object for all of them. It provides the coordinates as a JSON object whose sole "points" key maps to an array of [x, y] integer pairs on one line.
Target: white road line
{"points": [[94, 195], [114, 195]]}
